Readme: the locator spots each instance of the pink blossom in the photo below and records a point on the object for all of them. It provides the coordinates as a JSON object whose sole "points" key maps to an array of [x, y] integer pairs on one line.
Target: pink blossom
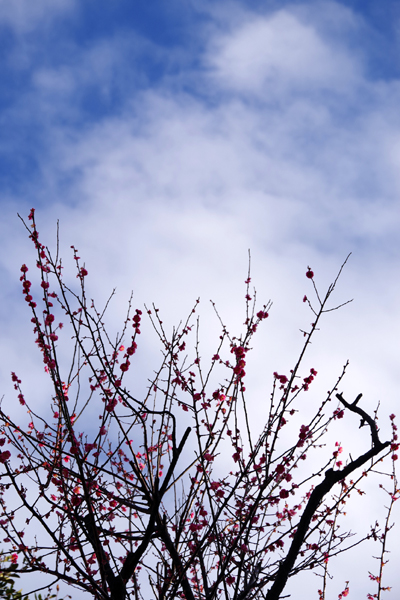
{"points": [[215, 485], [262, 315], [111, 405], [338, 414], [4, 456], [89, 447], [49, 319], [236, 455], [282, 378], [132, 349]]}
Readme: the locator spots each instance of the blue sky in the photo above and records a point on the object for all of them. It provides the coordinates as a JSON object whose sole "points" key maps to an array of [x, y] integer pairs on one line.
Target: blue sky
{"points": [[171, 137]]}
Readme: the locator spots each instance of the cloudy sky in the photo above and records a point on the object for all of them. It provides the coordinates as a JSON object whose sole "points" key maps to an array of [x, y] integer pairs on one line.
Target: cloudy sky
{"points": [[169, 138]]}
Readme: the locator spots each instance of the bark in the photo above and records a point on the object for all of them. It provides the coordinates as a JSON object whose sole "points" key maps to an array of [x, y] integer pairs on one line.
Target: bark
{"points": [[317, 495]]}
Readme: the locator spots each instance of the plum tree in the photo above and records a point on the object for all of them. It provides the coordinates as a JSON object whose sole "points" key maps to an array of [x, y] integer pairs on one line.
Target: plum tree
{"points": [[172, 495]]}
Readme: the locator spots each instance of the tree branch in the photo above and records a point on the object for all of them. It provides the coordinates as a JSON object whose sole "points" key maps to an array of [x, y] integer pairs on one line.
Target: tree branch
{"points": [[317, 495]]}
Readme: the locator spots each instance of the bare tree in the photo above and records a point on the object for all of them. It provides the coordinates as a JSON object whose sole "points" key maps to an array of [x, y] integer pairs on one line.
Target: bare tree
{"points": [[171, 495]]}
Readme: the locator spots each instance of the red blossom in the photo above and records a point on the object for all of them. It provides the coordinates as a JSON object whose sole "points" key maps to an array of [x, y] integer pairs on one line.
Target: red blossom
{"points": [[262, 315], [15, 378], [236, 455], [90, 447], [4, 456], [132, 458], [49, 319], [215, 485], [282, 378], [132, 348], [111, 405]]}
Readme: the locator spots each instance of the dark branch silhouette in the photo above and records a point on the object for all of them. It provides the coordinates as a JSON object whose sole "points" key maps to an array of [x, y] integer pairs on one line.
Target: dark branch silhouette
{"points": [[182, 493]]}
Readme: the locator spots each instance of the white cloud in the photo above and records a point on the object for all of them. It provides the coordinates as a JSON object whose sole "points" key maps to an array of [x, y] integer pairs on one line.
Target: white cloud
{"points": [[101, 66], [266, 54], [25, 15], [170, 193]]}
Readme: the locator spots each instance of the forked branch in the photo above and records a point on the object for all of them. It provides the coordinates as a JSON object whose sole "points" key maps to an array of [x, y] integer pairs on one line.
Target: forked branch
{"points": [[317, 495]]}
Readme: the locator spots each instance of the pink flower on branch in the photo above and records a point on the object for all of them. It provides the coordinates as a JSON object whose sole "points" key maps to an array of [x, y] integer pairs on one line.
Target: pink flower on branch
{"points": [[282, 378], [262, 315], [119, 474], [4, 456]]}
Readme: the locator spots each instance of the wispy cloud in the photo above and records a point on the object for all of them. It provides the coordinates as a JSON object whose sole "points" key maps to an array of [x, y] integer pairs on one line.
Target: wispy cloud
{"points": [[280, 53], [23, 16]]}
